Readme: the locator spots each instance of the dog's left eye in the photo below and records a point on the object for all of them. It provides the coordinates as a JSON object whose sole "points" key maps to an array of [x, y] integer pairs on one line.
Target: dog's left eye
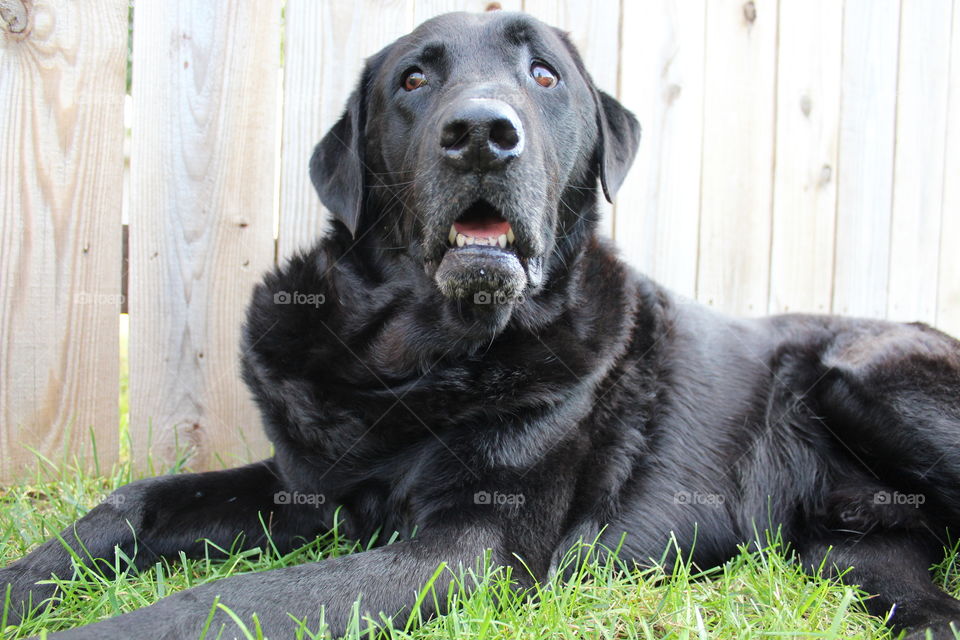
{"points": [[543, 75], [414, 80]]}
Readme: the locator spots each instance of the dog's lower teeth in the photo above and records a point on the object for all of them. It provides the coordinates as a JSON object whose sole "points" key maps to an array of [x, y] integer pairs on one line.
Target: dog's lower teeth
{"points": [[461, 240]]}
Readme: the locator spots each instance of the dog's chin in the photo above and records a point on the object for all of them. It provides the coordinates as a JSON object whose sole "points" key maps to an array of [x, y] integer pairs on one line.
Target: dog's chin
{"points": [[485, 276], [480, 260]]}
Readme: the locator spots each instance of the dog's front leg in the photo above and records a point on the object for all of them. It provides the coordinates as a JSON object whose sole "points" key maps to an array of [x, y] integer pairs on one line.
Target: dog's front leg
{"points": [[386, 580], [160, 517]]}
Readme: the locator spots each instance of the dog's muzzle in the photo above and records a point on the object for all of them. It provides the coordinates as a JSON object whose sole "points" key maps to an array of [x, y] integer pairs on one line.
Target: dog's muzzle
{"points": [[482, 263]]}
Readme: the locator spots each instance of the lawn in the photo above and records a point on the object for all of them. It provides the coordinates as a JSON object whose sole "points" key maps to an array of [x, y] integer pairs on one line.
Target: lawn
{"points": [[754, 595]]}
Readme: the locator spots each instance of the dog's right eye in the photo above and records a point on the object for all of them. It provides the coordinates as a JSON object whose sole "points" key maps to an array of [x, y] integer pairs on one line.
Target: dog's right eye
{"points": [[543, 75], [413, 80]]}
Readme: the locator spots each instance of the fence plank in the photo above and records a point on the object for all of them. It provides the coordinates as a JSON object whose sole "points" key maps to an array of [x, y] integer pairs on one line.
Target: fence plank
{"points": [[918, 163], [61, 178], [738, 147], [867, 133], [325, 46], [426, 9], [808, 119], [595, 30], [658, 208], [202, 178], [948, 302]]}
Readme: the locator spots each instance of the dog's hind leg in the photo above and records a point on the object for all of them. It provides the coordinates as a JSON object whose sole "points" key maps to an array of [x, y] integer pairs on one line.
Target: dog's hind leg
{"points": [[890, 394], [893, 568], [160, 517]]}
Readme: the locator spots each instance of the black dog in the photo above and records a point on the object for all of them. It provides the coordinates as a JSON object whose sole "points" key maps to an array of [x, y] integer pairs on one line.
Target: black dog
{"points": [[462, 361]]}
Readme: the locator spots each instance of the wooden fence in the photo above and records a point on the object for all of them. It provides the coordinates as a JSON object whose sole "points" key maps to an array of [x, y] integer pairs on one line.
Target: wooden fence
{"points": [[797, 155]]}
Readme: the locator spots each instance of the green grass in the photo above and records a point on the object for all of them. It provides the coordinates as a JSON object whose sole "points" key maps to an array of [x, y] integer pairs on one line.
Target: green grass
{"points": [[754, 595]]}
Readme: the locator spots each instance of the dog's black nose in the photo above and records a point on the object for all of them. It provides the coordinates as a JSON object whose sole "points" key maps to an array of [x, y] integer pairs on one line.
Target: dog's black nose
{"points": [[481, 133]]}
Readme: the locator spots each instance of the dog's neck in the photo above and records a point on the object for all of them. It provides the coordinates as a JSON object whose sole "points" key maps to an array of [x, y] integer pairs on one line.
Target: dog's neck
{"points": [[407, 345], [418, 325]]}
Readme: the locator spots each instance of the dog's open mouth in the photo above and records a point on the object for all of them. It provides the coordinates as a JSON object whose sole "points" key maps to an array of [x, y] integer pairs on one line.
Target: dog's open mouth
{"points": [[481, 262], [481, 224]]}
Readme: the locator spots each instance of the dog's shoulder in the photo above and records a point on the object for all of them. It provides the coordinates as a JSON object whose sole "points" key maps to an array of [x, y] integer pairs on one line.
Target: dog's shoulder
{"points": [[300, 305]]}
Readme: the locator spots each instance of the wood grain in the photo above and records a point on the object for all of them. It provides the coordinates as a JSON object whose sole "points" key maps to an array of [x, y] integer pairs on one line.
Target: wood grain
{"points": [[658, 208], [62, 69], [948, 300], [809, 63], [865, 159], [202, 181], [918, 164], [738, 153], [426, 9]]}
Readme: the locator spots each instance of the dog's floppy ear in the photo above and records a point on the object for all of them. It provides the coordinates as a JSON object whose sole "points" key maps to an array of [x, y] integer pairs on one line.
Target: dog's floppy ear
{"points": [[337, 165], [619, 138], [618, 132]]}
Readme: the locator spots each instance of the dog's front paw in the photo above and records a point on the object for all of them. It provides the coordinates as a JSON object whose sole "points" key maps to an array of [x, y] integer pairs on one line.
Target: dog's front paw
{"points": [[20, 593]]}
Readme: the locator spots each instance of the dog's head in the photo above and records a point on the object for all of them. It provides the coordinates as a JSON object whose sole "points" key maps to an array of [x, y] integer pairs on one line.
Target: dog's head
{"points": [[475, 144]]}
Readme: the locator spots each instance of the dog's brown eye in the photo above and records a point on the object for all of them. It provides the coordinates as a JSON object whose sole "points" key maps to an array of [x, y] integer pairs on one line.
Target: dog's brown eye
{"points": [[414, 80], [543, 75]]}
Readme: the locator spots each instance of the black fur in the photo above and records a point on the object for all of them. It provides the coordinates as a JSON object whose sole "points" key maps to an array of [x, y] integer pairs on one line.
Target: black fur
{"points": [[585, 401]]}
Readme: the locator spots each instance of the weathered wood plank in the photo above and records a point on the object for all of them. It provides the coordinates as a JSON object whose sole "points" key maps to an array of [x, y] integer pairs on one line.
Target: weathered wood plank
{"points": [[202, 182], [325, 46], [918, 162], [865, 178], [426, 9], [738, 148], [658, 208], [808, 120], [62, 71], [948, 302]]}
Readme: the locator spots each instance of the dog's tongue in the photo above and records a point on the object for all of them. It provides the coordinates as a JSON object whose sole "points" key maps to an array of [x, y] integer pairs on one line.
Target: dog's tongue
{"points": [[484, 228]]}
